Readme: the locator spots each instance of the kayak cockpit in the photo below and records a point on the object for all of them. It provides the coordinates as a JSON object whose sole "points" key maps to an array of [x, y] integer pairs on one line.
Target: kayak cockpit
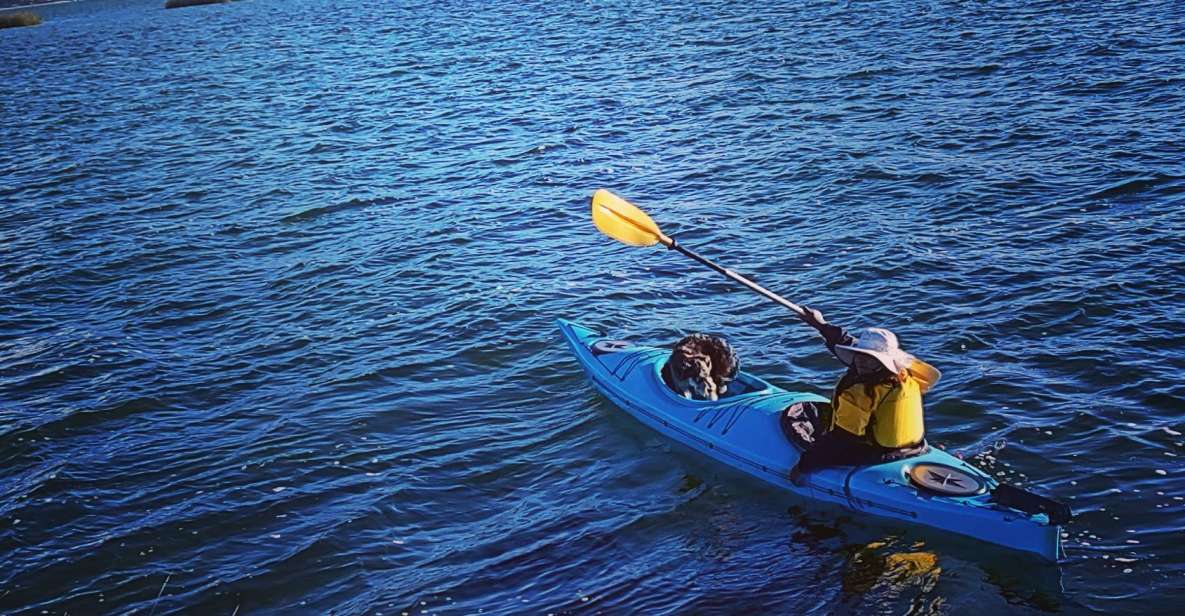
{"points": [[615, 353], [745, 384], [803, 422]]}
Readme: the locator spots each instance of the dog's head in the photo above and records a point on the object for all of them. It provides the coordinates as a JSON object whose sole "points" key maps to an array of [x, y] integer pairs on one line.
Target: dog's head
{"points": [[702, 366], [691, 372]]}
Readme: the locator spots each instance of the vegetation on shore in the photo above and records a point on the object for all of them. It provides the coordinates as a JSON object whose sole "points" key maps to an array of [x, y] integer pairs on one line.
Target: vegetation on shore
{"points": [[176, 4], [16, 20]]}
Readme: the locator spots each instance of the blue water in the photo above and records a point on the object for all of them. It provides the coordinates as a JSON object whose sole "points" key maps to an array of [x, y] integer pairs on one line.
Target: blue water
{"points": [[278, 281]]}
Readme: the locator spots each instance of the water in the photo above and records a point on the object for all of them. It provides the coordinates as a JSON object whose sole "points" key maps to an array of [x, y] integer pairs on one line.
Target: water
{"points": [[278, 282]]}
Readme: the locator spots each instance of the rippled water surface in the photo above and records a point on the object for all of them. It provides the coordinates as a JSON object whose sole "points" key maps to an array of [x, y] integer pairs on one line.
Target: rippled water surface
{"points": [[278, 281]]}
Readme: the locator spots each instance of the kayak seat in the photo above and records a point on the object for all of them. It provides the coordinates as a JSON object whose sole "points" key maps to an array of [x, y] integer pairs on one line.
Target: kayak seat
{"points": [[802, 422]]}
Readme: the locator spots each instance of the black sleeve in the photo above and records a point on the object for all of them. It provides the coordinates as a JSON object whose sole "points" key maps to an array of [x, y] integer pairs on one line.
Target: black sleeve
{"points": [[833, 335]]}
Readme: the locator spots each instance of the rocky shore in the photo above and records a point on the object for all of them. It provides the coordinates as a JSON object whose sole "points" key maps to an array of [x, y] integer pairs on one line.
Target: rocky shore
{"points": [[14, 4]]}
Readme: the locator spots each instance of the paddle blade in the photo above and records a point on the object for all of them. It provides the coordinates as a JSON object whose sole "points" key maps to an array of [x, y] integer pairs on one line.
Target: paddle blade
{"points": [[624, 222]]}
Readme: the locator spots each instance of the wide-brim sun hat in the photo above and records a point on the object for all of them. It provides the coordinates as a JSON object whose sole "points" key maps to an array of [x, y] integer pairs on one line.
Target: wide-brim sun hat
{"points": [[879, 343]]}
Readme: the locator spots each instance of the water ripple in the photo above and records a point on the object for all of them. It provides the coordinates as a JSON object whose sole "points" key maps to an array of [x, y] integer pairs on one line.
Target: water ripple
{"points": [[278, 283]]}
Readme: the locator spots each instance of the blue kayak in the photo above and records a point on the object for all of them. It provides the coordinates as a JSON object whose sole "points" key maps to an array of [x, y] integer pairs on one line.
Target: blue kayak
{"points": [[745, 430]]}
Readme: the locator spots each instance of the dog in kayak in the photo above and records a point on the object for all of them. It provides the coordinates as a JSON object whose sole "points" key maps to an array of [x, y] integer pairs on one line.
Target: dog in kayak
{"points": [[701, 367]]}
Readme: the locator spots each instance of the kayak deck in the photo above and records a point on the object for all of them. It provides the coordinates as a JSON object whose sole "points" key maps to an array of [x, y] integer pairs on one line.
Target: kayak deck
{"points": [[742, 430]]}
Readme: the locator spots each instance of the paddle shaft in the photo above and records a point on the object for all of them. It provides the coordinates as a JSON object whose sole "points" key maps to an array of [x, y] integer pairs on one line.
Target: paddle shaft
{"points": [[753, 286]]}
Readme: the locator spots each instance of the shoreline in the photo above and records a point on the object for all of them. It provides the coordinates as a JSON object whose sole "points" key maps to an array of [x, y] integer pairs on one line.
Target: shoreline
{"points": [[36, 5]]}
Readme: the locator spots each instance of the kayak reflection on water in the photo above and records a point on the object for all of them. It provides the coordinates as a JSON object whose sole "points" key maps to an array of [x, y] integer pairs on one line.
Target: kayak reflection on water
{"points": [[878, 565], [921, 576], [876, 409]]}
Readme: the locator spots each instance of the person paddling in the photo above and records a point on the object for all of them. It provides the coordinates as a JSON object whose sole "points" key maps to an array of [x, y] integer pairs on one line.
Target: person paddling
{"points": [[876, 409]]}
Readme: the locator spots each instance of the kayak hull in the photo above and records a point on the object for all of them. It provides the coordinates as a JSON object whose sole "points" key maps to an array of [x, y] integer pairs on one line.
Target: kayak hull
{"points": [[743, 431]]}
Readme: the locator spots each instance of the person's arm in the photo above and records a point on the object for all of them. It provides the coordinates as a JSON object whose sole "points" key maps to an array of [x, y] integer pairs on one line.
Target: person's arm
{"points": [[832, 334]]}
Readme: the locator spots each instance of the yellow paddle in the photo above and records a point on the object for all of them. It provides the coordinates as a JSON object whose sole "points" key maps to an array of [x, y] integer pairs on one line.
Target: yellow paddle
{"points": [[624, 222]]}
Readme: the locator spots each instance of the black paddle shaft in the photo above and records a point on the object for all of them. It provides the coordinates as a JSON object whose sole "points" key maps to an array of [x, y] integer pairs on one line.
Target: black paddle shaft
{"points": [[674, 245]]}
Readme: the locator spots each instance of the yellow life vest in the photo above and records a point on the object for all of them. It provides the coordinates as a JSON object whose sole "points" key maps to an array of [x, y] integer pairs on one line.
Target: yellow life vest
{"points": [[894, 410]]}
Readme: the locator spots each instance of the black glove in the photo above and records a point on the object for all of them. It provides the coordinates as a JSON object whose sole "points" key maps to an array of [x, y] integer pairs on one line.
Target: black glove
{"points": [[813, 317], [832, 334]]}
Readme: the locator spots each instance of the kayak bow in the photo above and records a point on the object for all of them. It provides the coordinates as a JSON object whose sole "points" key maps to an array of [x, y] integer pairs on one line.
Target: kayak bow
{"points": [[743, 431]]}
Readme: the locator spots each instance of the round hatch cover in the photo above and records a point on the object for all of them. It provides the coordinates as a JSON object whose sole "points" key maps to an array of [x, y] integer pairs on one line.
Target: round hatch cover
{"points": [[944, 479], [610, 346]]}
